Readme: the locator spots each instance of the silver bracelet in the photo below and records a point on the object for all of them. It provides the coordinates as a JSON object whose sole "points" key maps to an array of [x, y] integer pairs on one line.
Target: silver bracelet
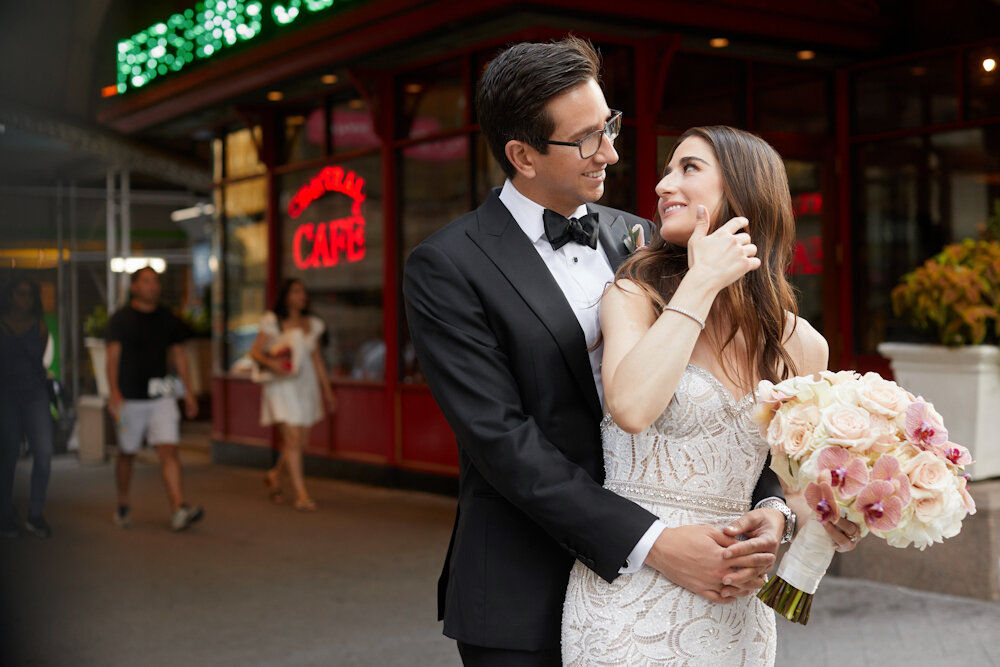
{"points": [[687, 313]]}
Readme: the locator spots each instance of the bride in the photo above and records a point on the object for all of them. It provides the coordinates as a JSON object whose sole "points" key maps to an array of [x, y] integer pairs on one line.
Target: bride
{"points": [[691, 325]]}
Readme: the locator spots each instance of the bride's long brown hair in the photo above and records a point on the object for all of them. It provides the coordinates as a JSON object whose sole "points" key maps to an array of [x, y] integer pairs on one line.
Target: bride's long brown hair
{"points": [[754, 186]]}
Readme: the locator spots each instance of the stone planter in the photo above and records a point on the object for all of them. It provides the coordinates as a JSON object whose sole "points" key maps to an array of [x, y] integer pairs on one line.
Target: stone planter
{"points": [[963, 383], [97, 347]]}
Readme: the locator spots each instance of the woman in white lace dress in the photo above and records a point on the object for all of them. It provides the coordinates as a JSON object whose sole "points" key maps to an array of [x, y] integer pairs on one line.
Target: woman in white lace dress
{"points": [[692, 324]]}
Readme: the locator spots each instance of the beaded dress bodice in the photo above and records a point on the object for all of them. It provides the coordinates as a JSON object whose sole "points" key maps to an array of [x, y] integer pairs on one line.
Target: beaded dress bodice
{"points": [[698, 463]]}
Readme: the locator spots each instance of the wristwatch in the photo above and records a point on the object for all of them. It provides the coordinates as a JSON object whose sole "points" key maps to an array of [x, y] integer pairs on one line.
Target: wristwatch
{"points": [[774, 503]]}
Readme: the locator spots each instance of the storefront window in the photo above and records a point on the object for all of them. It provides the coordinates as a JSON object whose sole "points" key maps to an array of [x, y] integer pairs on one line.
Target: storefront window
{"points": [[331, 239], [620, 186], [806, 270], [789, 100], [431, 100], [435, 186], [912, 197], [242, 158], [704, 90], [916, 93], [352, 126], [245, 205], [304, 136], [982, 83]]}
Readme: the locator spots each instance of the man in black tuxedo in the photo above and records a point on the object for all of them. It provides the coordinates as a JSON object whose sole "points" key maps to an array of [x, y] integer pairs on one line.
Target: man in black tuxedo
{"points": [[502, 306]]}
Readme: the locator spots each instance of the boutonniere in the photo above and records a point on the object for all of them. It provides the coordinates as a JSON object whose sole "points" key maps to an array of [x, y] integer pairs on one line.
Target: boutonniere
{"points": [[635, 239]]}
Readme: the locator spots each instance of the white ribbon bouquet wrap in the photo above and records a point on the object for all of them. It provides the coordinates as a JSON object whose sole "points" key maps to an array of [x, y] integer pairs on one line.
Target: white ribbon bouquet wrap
{"points": [[864, 448]]}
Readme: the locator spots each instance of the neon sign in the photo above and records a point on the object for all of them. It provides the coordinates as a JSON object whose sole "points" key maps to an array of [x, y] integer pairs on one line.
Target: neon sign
{"points": [[322, 244], [199, 33]]}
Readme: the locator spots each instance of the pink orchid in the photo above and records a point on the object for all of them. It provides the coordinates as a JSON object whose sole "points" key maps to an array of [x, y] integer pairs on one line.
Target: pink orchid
{"points": [[880, 505], [845, 473], [822, 501], [957, 454], [923, 427], [887, 469]]}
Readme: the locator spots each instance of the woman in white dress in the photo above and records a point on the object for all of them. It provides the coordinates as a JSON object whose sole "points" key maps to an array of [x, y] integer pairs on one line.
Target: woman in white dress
{"points": [[292, 399], [691, 325]]}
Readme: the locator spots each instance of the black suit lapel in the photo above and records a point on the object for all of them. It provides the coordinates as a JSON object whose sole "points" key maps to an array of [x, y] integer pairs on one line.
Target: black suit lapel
{"points": [[612, 234], [503, 241]]}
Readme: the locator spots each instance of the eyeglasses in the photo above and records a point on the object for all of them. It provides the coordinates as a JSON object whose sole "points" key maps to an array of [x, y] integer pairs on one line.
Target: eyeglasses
{"points": [[590, 144]]}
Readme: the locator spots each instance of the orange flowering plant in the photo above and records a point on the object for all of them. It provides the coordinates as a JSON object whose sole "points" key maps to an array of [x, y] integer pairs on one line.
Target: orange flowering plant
{"points": [[955, 295]]}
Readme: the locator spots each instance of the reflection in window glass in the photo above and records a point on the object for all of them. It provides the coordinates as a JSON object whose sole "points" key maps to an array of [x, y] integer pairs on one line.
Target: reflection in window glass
{"points": [[982, 85], [789, 100], [435, 190], [431, 100], [704, 90], [806, 271], [352, 126], [619, 187], [244, 205], [331, 239], [912, 197], [242, 158], [305, 135], [905, 95]]}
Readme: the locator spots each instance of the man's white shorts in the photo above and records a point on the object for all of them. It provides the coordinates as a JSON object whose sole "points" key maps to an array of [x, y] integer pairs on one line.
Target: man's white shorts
{"points": [[157, 420]]}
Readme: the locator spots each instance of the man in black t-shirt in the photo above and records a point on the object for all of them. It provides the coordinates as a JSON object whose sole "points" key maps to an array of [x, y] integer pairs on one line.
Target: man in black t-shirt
{"points": [[144, 397]]}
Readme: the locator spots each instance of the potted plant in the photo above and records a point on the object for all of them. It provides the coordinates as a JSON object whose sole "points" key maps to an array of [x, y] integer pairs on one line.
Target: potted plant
{"points": [[95, 329], [954, 300]]}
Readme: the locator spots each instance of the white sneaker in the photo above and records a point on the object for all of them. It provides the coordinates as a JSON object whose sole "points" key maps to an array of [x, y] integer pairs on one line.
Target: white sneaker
{"points": [[185, 516]]}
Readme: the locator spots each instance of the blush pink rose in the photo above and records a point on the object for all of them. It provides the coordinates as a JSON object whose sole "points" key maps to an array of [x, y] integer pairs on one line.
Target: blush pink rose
{"points": [[928, 474], [792, 429], [848, 425]]}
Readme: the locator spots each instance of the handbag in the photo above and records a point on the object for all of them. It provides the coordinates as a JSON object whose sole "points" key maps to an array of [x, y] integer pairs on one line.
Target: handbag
{"points": [[289, 346]]}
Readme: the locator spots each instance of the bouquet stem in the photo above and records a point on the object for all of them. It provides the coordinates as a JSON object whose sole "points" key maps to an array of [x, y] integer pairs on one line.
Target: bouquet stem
{"points": [[790, 591]]}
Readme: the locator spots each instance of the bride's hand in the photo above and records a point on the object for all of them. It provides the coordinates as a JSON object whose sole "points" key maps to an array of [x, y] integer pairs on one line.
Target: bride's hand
{"points": [[693, 557], [844, 533], [725, 255]]}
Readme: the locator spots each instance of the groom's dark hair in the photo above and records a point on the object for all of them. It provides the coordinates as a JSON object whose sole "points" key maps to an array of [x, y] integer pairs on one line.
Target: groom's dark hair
{"points": [[518, 84]]}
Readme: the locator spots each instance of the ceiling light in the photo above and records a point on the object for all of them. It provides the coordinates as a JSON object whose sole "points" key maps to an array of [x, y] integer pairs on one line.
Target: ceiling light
{"points": [[719, 43], [329, 79], [989, 64], [413, 88], [805, 55], [275, 96], [356, 104]]}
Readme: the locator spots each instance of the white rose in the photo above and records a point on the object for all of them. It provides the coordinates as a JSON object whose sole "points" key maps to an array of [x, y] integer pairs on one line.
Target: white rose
{"points": [[881, 396]]}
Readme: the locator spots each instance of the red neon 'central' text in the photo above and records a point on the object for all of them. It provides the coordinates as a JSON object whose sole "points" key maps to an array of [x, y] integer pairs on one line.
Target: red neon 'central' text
{"points": [[322, 244]]}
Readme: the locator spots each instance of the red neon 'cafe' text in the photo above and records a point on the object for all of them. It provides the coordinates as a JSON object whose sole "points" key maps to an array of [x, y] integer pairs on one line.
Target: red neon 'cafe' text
{"points": [[322, 244]]}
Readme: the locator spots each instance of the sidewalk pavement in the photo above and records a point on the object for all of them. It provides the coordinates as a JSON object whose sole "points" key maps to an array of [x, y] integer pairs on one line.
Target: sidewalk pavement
{"points": [[352, 584]]}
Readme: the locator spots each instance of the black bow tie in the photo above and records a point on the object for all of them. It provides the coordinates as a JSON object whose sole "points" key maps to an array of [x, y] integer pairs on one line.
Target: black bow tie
{"points": [[560, 231]]}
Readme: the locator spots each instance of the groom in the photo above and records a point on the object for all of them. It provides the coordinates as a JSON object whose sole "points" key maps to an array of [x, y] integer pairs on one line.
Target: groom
{"points": [[502, 306]]}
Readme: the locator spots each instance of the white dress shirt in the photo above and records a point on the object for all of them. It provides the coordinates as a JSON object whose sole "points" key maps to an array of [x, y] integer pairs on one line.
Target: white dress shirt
{"points": [[582, 273]]}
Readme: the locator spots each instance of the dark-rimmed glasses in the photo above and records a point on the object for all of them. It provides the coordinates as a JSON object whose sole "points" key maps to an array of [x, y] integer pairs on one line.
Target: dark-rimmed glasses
{"points": [[590, 144]]}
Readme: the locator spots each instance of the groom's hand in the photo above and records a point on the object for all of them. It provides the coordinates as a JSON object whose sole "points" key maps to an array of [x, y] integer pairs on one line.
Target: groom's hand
{"points": [[694, 557], [762, 529]]}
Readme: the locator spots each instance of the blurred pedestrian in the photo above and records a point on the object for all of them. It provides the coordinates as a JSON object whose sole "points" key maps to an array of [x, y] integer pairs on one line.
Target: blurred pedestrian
{"points": [[24, 403], [143, 397], [287, 347]]}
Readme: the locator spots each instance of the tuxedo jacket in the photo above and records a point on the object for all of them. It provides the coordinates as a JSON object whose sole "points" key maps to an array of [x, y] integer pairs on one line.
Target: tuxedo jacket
{"points": [[507, 362]]}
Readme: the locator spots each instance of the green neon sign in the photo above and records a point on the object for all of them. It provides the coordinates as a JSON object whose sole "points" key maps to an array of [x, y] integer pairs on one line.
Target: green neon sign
{"points": [[201, 33]]}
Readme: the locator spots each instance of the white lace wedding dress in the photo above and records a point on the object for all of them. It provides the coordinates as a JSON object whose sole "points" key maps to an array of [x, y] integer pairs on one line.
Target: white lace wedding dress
{"points": [[697, 464]]}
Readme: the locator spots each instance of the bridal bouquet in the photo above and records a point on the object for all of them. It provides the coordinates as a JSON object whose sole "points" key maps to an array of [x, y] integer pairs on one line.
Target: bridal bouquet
{"points": [[864, 448]]}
